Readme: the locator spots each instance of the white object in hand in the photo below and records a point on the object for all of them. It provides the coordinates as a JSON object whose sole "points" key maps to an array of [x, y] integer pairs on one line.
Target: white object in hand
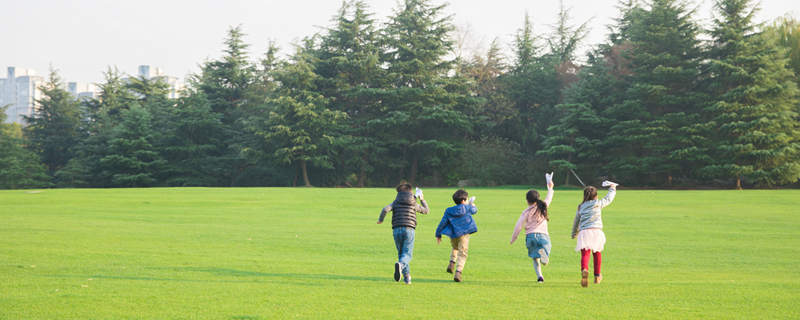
{"points": [[609, 183], [548, 177], [418, 193], [472, 200]]}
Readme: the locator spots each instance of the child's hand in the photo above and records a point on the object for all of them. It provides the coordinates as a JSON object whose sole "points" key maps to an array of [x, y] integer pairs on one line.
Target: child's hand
{"points": [[472, 201], [549, 178], [438, 240]]}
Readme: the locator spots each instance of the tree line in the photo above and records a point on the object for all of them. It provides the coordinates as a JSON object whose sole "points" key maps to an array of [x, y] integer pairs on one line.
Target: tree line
{"points": [[661, 102]]}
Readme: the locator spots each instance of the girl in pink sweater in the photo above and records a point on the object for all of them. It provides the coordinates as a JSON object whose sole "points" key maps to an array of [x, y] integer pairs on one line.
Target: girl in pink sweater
{"points": [[535, 218]]}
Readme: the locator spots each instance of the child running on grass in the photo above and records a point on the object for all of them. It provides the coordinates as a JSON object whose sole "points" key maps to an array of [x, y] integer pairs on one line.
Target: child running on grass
{"points": [[457, 223], [535, 218], [404, 221], [591, 238]]}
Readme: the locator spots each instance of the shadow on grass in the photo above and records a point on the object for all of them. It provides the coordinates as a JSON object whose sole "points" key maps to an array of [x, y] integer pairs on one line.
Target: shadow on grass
{"points": [[225, 272]]}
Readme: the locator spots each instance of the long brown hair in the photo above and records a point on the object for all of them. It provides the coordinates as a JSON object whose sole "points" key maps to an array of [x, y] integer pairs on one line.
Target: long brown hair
{"points": [[589, 194], [533, 198]]}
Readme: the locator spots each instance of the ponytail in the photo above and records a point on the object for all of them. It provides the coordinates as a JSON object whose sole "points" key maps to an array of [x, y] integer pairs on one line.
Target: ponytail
{"points": [[533, 197]]}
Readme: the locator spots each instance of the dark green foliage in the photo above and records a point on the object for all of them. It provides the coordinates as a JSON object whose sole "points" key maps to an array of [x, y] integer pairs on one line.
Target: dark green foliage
{"points": [[758, 137], [19, 167], [370, 103], [52, 131]]}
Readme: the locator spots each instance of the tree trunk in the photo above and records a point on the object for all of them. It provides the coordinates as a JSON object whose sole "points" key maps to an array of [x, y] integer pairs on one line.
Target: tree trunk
{"points": [[413, 175], [739, 183], [305, 173], [362, 176]]}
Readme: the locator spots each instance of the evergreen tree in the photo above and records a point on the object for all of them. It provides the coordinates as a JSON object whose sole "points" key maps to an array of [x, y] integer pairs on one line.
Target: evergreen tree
{"points": [[755, 97], [19, 167], [229, 86], [349, 67], [656, 122], [575, 141], [423, 112], [52, 130], [300, 125], [130, 159]]}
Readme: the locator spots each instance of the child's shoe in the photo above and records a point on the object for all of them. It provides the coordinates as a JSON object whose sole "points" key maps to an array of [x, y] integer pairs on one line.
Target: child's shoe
{"points": [[585, 278], [543, 258], [540, 280], [451, 266], [407, 278], [398, 268], [598, 278], [457, 277]]}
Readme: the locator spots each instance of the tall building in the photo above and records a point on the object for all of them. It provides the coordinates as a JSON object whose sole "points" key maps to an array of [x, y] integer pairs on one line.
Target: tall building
{"points": [[19, 91], [175, 85], [82, 91]]}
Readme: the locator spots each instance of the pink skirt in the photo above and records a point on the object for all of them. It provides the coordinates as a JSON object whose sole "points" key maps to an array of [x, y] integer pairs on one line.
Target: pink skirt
{"points": [[592, 239]]}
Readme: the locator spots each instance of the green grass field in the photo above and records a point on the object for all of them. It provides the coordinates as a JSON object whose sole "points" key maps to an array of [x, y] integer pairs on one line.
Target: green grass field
{"points": [[267, 253]]}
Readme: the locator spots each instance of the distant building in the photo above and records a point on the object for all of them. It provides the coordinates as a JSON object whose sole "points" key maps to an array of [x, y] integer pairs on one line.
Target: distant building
{"points": [[82, 91], [175, 85], [19, 91]]}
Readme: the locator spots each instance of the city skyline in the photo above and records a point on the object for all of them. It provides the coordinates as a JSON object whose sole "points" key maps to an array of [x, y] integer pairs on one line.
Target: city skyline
{"points": [[123, 35], [20, 89]]}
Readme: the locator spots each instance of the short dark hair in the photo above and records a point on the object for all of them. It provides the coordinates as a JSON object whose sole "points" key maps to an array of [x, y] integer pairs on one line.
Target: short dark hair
{"points": [[460, 196], [404, 187]]}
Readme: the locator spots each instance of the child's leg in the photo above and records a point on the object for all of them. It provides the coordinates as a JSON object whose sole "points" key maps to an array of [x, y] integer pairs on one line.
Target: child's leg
{"points": [[585, 253], [408, 250], [463, 247], [597, 260], [537, 265], [454, 252]]}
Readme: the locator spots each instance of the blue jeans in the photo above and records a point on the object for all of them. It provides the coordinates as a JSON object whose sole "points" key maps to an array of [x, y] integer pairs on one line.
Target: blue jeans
{"points": [[538, 246], [404, 241]]}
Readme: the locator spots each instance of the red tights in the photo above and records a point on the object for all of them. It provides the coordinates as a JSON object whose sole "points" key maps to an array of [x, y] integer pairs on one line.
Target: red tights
{"points": [[585, 260]]}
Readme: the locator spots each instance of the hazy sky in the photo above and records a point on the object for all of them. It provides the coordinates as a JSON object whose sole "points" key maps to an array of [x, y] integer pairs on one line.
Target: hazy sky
{"points": [[81, 38]]}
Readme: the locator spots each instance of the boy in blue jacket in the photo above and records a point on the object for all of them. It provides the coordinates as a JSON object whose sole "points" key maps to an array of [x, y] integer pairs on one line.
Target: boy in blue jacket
{"points": [[457, 223]]}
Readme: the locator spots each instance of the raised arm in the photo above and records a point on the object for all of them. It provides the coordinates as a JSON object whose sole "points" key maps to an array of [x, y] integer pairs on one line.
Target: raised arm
{"points": [[384, 211], [612, 192], [423, 208], [549, 197], [518, 226]]}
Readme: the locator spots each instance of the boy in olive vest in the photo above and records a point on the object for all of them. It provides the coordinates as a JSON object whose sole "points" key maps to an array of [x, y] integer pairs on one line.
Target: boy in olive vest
{"points": [[404, 221]]}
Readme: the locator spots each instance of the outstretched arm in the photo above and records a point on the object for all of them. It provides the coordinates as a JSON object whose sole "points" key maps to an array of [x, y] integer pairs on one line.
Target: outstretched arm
{"points": [[384, 211], [518, 227]]}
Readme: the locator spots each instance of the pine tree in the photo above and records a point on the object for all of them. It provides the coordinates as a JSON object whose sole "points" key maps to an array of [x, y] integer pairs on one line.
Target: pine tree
{"points": [[300, 125], [348, 63], [130, 159], [231, 86], [575, 140], [19, 167], [52, 130], [755, 97], [656, 122], [423, 111]]}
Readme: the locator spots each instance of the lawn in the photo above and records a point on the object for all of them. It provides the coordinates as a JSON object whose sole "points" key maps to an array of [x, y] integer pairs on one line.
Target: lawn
{"points": [[268, 253]]}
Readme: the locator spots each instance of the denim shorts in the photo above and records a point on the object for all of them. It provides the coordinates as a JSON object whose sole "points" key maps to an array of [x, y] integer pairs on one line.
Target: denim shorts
{"points": [[538, 245]]}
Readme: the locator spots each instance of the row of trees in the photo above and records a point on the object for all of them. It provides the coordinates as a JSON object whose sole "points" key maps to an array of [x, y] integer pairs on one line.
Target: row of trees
{"points": [[365, 103]]}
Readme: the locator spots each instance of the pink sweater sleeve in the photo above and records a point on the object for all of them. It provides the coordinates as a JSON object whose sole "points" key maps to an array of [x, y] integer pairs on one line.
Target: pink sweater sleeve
{"points": [[518, 227], [549, 197]]}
